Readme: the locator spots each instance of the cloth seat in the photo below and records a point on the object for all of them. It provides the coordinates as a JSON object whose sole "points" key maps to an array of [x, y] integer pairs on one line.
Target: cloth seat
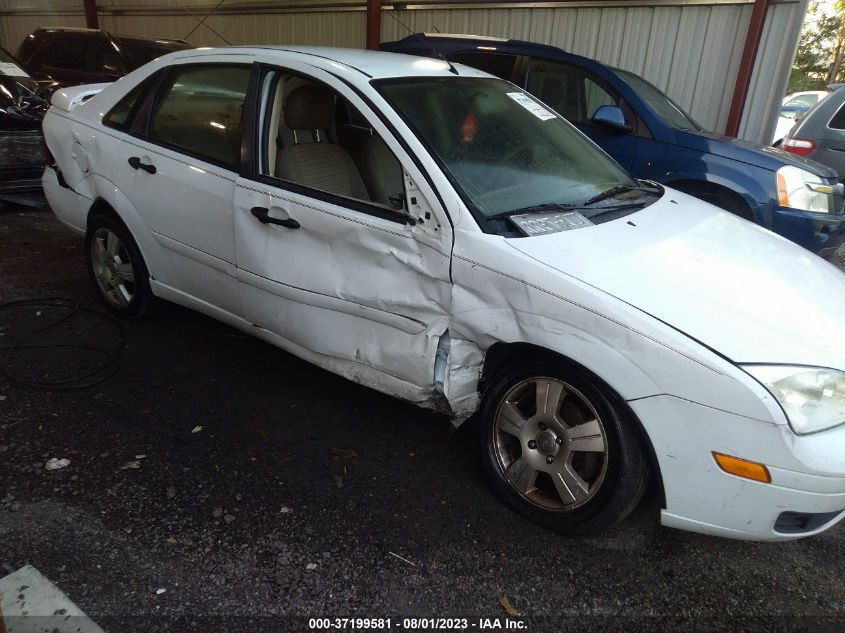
{"points": [[380, 170], [312, 159]]}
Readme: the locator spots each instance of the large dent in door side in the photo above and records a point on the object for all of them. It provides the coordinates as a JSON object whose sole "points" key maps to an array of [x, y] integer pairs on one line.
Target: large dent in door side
{"points": [[368, 296]]}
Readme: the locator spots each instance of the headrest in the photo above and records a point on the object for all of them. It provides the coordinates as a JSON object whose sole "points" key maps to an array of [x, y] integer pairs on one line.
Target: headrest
{"points": [[309, 108]]}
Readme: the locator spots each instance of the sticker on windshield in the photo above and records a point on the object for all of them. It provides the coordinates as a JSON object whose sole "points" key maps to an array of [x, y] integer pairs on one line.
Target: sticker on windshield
{"points": [[13, 70], [532, 106]]}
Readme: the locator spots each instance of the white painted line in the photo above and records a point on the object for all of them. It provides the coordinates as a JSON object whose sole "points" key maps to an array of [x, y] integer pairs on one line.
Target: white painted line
{"points": [[30, 603]]}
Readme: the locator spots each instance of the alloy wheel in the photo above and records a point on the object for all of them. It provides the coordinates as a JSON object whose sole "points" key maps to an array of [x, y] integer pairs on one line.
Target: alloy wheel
{"points": [[113, 269], [551, 443]]}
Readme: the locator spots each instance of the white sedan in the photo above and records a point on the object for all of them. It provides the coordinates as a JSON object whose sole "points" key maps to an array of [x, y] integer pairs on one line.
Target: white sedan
{"points": [[439, 235], [795, 106]]}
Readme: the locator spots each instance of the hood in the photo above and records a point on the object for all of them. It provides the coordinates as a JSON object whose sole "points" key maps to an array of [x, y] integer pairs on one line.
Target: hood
{"points": [[766, 157], [746, 293]]}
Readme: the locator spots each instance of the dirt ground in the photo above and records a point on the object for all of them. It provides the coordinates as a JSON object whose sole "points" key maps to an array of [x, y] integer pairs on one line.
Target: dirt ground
{"points": [[258, 491]]}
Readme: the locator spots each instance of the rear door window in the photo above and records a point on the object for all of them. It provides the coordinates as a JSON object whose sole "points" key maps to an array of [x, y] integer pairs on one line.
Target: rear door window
{"points": [[198, 111]]}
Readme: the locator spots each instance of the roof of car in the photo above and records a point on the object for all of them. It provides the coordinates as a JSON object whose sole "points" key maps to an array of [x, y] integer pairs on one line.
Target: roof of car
{"points": [[416, 39], [373, 64], [83, 31]]}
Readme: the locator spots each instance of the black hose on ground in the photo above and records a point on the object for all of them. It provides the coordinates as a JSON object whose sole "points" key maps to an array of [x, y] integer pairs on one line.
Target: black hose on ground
{"points": [[29, 341]]}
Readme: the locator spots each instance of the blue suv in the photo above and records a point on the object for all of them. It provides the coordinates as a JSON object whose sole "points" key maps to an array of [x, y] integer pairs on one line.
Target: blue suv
{"points": [[654, 139]]}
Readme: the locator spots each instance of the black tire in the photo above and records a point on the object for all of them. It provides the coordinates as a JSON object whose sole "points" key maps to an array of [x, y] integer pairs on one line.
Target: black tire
{"points": [[625, 468], [131, 299], [723, 198], [734, 204]]}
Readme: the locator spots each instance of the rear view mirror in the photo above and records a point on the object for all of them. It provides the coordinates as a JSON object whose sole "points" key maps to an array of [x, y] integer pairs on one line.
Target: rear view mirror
{"points": [[612, 118]]}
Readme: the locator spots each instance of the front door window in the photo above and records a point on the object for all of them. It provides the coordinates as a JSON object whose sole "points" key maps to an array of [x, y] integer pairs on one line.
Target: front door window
{"points": [[315, 140]]}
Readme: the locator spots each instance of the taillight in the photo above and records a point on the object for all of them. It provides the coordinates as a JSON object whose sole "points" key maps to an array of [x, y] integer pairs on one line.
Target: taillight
{"points": [[48, 155], [799, 146]]}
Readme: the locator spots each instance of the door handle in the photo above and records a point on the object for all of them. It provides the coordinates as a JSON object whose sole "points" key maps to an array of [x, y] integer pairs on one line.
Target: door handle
{"points": [[135, 163], [263, 216]]}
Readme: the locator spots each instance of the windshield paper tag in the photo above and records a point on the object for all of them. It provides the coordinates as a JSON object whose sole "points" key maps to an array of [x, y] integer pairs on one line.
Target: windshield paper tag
{"points": [[532, 106], [13, 70]]}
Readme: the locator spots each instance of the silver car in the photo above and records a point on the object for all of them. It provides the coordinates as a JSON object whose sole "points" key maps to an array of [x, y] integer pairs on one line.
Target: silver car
{"points": [[820, 134]]}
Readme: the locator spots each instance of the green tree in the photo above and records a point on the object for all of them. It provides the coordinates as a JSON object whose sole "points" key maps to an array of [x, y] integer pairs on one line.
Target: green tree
{"points": [[821, 49], [833, 73]]}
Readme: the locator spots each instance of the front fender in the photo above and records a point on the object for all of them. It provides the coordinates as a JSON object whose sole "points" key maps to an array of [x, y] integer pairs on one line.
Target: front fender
{"points": [[755, 185], [506, 297]]}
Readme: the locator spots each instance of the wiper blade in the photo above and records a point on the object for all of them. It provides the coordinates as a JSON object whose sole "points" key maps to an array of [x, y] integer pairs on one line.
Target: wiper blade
{"points": [[602, 211], [604, 195], [548, 207]]}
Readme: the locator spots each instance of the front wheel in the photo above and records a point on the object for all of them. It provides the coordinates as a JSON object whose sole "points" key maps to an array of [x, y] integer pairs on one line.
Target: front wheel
{"points": [[557, 451]]}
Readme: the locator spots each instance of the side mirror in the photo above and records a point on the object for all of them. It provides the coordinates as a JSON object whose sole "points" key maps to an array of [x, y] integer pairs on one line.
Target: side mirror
{"points": [[612, 118]]}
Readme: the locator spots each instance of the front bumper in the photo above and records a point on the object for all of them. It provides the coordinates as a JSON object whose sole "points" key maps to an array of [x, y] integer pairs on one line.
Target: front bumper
{"points": [[821, 233], [805, 497]]}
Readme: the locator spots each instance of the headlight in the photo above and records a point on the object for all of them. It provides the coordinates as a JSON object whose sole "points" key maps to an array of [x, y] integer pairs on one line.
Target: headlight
{"points": [[813, 398], [800, 189]]}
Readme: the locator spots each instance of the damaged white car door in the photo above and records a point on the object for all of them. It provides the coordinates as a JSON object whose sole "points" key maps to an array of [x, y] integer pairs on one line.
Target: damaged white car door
{"points": [[343, 248]]}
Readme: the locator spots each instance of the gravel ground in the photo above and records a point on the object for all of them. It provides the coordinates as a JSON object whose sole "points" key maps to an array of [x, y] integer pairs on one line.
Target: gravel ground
{"points": [[249, 484]]}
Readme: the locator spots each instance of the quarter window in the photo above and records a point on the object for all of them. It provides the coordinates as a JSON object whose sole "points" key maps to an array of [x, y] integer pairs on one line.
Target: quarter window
{"points": [[198, 110], [120, 116], [838, 120]]}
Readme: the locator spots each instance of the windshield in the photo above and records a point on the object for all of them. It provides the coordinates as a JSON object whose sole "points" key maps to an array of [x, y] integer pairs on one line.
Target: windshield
{"points": [[665, 108], [808, 100], [9, 66], [504, 151]]}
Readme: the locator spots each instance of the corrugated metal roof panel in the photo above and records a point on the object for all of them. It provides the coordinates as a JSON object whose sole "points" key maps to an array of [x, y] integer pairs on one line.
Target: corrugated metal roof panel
{"points": [[692, 51], [771, 70]]}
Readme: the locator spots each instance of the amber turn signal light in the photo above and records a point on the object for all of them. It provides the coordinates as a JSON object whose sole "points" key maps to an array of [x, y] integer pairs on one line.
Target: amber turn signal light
{"points": [[743, 468]]}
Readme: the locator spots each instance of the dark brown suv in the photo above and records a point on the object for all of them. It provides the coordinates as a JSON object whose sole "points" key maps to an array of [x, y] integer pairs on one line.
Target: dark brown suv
{"points": [[73, 56]]}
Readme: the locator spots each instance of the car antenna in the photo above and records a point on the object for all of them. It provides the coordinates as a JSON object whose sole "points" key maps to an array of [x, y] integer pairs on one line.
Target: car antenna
{"points": [[439, 55]]}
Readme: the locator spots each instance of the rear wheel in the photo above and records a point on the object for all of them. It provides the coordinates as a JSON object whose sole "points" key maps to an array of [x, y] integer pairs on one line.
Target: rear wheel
{"points": [[117, 268], [557, 451]]}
